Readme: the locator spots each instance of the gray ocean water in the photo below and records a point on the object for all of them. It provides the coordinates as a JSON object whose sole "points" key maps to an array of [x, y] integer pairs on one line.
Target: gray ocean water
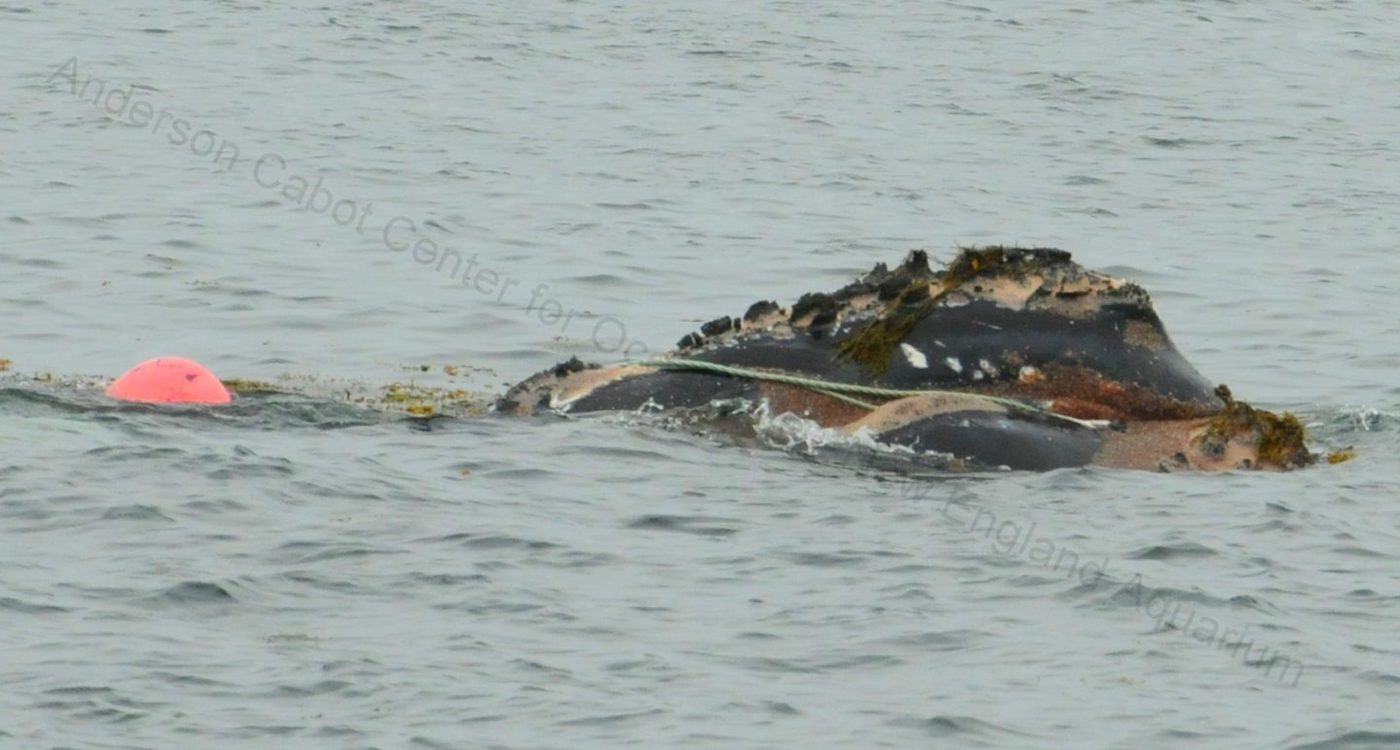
{"points": [[304, 189]]}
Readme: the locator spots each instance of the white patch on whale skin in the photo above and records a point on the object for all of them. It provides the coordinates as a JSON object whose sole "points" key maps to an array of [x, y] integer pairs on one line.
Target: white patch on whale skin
{"points": [[650, 406], [561, 405], [954, 364], [916, 358]]}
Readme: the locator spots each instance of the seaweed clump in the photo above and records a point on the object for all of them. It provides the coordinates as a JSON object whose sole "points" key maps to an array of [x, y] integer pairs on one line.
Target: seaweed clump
{"points": [[973, 262], [425, 401], [1279, 437], [874, 343], [906, 294], [244, 386]]}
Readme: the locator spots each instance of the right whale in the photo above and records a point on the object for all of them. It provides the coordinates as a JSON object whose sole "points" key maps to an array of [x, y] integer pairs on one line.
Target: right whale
{"points": [[1005, 357]]}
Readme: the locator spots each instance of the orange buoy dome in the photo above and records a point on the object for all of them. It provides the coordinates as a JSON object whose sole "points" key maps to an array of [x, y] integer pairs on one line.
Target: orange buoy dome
{"points": [[169, 380]]}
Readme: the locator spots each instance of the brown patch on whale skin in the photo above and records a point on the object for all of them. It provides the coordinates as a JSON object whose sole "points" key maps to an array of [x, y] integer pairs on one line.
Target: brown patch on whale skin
{"points": [[825, 410], [1150, 446], [1174, 445], [1080, 409], [1081, 392], [1145, 335], [906, 411]]}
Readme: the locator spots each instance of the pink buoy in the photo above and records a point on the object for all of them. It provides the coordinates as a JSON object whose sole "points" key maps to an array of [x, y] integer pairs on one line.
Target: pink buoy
{"points": [[169, 380]]}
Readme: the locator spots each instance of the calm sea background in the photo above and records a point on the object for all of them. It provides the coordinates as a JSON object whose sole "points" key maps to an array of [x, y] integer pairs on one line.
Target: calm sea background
{"points": [[299, 572]]}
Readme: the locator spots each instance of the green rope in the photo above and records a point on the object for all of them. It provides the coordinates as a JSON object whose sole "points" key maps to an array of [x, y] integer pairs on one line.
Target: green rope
{"points": [[842, 391], [838, 391]]}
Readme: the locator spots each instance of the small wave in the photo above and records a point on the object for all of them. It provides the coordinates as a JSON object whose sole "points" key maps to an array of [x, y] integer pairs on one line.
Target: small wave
{"points": [[938, 640], [194, 592], [493, 541], [817, 664], [447, 579], [136, 512], [311, 552], [1172, 552], [964, 728], [1361, 740], [319, 688], [1363, 419], [697, 525], [94, 703], [827, 559], [1106, 591], [187, 680], [11, 604], [609, 719], [1172, 142]]}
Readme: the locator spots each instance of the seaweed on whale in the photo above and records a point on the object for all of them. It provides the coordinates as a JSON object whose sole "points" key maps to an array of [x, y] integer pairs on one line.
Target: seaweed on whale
{"points": [[1006, 356]]}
